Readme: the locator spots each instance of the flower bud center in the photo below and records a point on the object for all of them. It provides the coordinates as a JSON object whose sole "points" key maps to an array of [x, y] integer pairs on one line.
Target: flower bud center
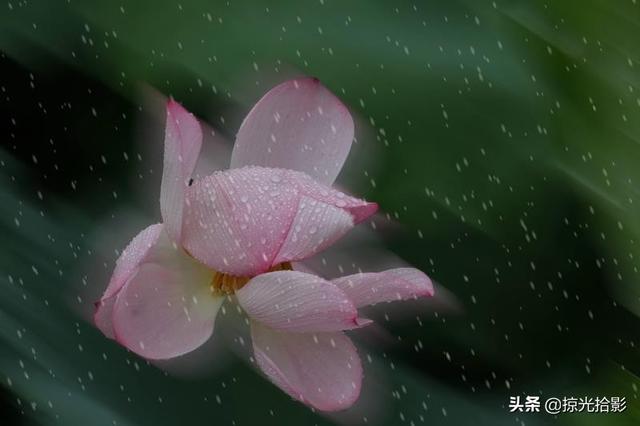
{"points": [[224, 284]]}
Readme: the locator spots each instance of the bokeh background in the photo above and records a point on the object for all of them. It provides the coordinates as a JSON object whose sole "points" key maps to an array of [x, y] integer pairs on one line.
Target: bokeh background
{"points": [[501, 139]]}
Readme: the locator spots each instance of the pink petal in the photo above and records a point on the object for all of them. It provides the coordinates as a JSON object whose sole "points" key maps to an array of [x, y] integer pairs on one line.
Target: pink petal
{"points": [[103, 316], [298, 125], [359, 209], [243, 221], [322, 370], [166, 309], [297, 302], [315, 226], [395, 284], [183, 139], [126, 265], [236, 220]]}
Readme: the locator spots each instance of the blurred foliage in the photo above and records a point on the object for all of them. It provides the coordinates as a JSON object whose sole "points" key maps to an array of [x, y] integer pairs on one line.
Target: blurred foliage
{"points": [[507, 141]]}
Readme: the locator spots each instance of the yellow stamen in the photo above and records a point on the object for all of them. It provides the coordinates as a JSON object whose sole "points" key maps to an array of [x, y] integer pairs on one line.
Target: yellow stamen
{"points": [[223, 284]]}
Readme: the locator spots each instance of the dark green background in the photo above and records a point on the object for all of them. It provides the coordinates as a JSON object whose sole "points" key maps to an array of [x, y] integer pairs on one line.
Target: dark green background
{"points": [[504, 137]]}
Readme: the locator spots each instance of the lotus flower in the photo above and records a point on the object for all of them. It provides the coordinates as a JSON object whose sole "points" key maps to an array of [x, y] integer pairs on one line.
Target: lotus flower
{"points": [[235, 234]]}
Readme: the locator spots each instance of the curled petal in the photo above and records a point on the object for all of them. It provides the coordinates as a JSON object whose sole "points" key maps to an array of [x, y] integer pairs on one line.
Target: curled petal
{"points": [[395, 284], [315, 226], [322, 370], [297, 302], [244, 221], [359, 209], [183, 139], [166, 309], [126, 265], [297, 125]]}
